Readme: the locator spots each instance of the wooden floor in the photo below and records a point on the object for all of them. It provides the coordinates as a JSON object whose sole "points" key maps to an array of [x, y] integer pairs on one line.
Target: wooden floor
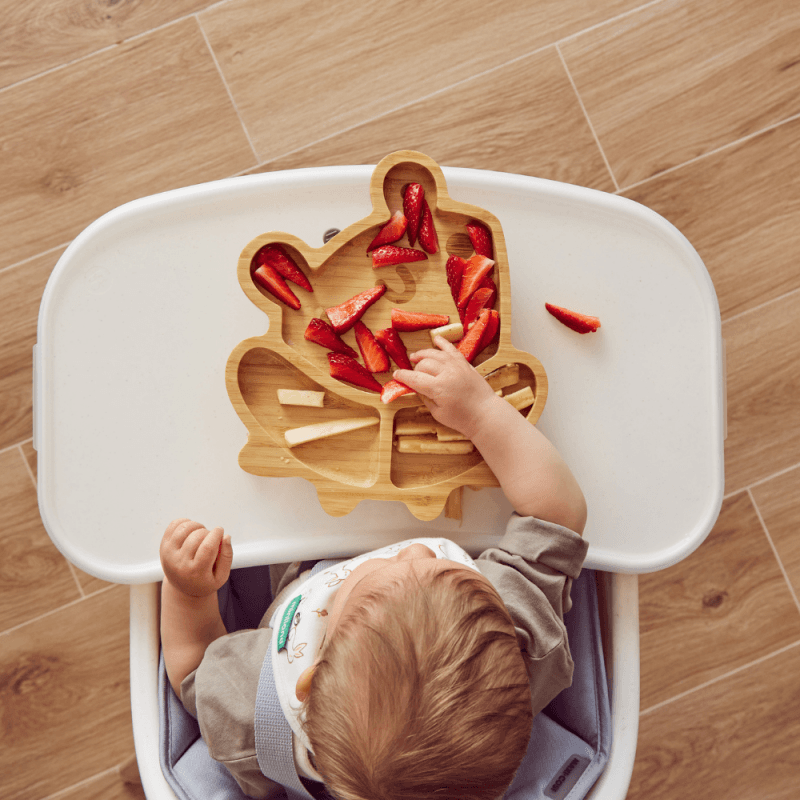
{"points": [[689, 107]]}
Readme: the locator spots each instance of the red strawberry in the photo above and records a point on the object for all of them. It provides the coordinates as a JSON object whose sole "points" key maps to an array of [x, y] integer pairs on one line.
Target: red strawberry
{"points": [[345, 315], [392, 254], [319, 332], [276, 257], [428, 239], [393, 389], [492, 329], [481, 238], [475, 271], [347, 369], [275, 285], [455, 271], [391, 342], [572, 319], [413, 195], [479, 300], [391, 231], [488, 283], [375, 359], [413, 321], [470, 345]]}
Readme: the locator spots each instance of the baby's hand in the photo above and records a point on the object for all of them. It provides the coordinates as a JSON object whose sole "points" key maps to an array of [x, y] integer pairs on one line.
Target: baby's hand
{"points": [[450, 387], [195, 560]]}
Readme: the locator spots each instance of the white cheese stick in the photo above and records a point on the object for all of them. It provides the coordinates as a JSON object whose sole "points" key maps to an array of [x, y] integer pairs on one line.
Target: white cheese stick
{"points": [[321, 430], [419, 444], [413, 427], [504, 376], [452, 332], [445, 434], [520, 399], [300, 397]]}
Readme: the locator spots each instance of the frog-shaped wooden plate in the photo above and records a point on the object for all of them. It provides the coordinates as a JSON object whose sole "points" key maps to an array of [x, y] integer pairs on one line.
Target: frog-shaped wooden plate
{"points": [[367, 462]]}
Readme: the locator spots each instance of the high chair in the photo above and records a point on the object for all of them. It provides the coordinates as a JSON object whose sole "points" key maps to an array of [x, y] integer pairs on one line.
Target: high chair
{"points": [[132, 421]]}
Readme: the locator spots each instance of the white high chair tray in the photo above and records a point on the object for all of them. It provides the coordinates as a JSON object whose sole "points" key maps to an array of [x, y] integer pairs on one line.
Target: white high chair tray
{"points": [[133, 424]]}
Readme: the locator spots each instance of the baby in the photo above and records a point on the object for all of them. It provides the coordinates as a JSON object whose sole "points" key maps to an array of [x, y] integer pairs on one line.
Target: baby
{"points": [[419, 670]]}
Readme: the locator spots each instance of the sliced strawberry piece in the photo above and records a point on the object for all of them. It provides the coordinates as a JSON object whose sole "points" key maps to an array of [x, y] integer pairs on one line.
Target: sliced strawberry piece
{"points": [[413, 195], [479, 300], [470, 345], [319, 332], [391, 231], [455, 272], [488, 283], [392, 254], [492, 329], [414, 321], [275, 285], [481, 238], [572, 319], [375, 358], [393, 389], [276, 257], [475, 271], [428, 239], [345, 315], [347, 369], [391, 342]]}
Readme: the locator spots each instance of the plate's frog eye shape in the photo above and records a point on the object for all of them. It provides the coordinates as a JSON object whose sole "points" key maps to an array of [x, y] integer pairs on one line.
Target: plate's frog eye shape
{"points": [[316, 391]]}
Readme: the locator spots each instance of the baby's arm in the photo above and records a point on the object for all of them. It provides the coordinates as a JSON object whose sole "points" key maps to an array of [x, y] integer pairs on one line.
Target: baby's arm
{"points": [[196, 563], [531, 472]]}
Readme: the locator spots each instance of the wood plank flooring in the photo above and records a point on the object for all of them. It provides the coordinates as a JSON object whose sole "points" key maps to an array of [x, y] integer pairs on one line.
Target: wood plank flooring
{"points": [[690, 108]]}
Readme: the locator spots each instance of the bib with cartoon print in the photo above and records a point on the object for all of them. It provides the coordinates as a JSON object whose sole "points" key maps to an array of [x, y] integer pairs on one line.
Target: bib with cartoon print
{"points": [[299, 624]]}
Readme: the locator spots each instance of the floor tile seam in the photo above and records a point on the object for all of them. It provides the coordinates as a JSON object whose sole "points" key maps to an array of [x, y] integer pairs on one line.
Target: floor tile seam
{"points": [[82, 783], [227, 88], [611, 20], [762, 481], [761, 306], [710, 153], [28, 259], [730, 674], [587, 118], [56, 610], [774, 550], [10, 447]]}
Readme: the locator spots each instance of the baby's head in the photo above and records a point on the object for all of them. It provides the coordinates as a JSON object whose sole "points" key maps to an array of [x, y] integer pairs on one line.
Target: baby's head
{"points": [[421, 690]]}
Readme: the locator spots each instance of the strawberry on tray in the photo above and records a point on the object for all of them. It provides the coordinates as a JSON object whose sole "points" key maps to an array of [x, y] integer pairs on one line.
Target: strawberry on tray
{"points": [[346, 314], [375, 358], [393, 389], [276, 257], [347, 369], [390, 254], [414, 321], [428, 239], [319, 332], [481, 239], [268, 277], [475, 270], [391, 231], [391, 342], [413, 195]]}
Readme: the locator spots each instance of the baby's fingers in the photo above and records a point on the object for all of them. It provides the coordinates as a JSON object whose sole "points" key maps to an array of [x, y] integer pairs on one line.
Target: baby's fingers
{"points": [[209, 548], [420, 382]]}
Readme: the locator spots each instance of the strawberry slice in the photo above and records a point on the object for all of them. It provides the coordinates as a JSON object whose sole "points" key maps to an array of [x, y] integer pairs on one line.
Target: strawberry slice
{"points": [[572, 319], [391, 342], [375, 358], [345, 315], [475, 271], [347, 369], [428, 239], [276, 257], [413, 195], [481, 238], [470, 345], [391, 231], [492, 329], [268, 277], [414, 321], [319, 332], [455, 272], [393, 389], [482, 298], [392, 254]]}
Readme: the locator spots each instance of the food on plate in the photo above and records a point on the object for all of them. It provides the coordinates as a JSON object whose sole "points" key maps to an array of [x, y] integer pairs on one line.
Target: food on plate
{"points": [[320, 332], [475, 270], [267, 276], [507, 375], [454, 269], [391, 342], [482, 298], [346, 314], [582, 323], [389, 254], [391, 231], [301, 397], [445, 434], [420, 444], [492, 329], [520, 399], [481, 238], [415, 427], [347, 369], [375, 358], [413, 195], [452, 332], [322, 430], [276, 257], [428, 239], [416, 321], [393, 389], [470, 345]]}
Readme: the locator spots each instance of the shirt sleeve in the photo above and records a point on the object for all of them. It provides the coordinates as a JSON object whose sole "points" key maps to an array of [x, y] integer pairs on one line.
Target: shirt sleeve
{"points": [[532, 567]]}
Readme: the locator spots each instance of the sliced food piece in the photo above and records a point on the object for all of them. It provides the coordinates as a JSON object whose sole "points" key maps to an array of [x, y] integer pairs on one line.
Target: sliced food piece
{"points": [[582, 323], [391, 342], [375, 358], [391, 231], [454, 269], [470, 345], [389, 254], [301, 397], [445, 434], [482, 298], [428, 239], [415, 321], [413, 195], [268, 277], [319, 332], [492, 329], [347, 369], [415, 427], [476, 269], [276, 257], [322, 430], [346, 314], [520, 399], [419, 444], [507, 375], [393, 389], [481, 238], [452, 332]]}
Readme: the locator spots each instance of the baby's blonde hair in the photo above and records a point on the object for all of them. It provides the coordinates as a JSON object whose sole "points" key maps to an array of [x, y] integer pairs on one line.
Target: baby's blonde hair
{"points": [[422, 693]]}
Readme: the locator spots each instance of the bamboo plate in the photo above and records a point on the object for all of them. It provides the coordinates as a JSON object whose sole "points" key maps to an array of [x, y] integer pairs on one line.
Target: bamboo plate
{"points": [[364, 463]]}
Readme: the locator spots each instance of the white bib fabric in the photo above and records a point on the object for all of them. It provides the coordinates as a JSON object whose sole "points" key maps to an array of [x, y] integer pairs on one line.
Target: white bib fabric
{"points": [[299, 624]]}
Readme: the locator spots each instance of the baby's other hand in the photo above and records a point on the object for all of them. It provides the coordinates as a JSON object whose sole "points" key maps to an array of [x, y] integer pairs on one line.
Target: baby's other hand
{"points": [[195, 560], [450, 387]]}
